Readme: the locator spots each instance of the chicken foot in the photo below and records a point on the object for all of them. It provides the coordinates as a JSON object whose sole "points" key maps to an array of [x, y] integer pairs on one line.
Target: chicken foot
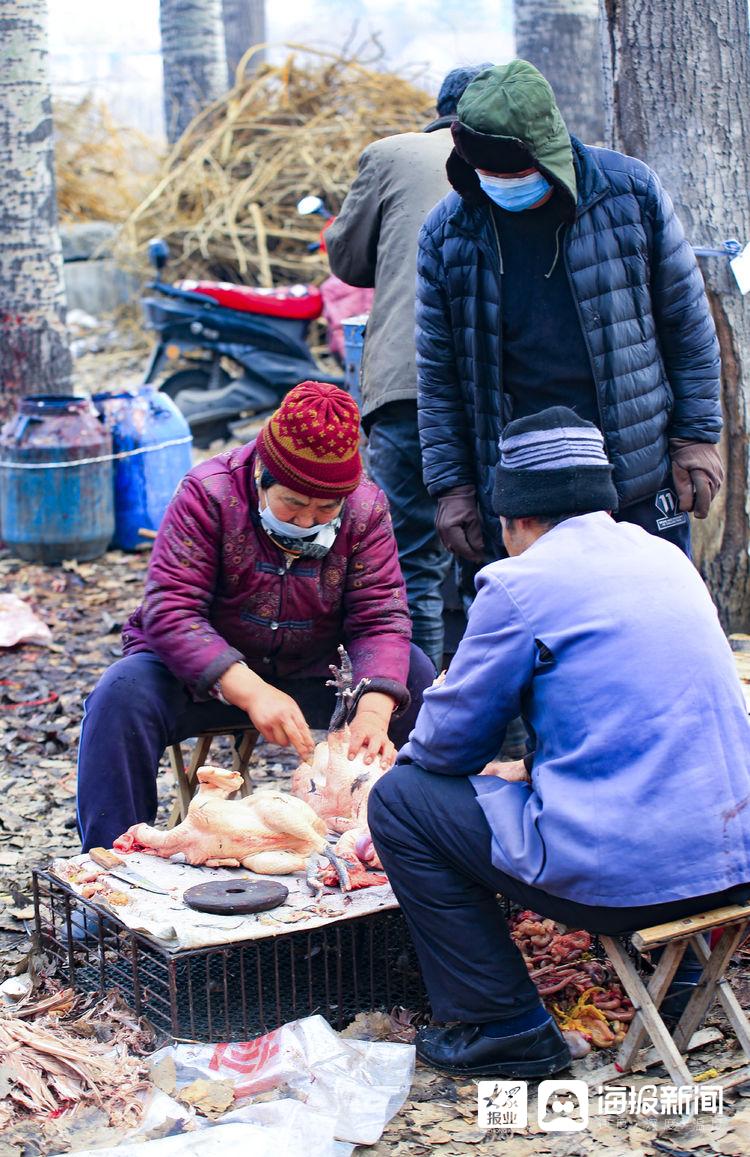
{"points": [[346, 696], [338, 865]]}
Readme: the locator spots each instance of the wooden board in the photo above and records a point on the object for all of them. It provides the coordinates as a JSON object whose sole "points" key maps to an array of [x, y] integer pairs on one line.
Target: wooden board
{"points": [[646, 938]]}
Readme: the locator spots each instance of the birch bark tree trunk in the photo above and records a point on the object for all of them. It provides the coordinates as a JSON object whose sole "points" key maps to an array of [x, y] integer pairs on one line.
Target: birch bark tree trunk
{"points": [[562, 39], [677, 85], [34, 354], [244, 26], [194, 60]]}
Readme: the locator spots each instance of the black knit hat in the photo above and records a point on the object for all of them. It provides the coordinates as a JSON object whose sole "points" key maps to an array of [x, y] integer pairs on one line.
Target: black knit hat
{"points": [[552, 463], [494, 154], [454, 85]]}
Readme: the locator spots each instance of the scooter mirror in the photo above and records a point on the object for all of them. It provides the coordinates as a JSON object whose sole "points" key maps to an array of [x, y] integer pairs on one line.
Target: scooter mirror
{"points": [[310, 205], [158, 252]]}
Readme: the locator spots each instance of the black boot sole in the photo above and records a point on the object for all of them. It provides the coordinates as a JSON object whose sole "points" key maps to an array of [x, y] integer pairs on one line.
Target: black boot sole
{"points": [[519, 1069]]}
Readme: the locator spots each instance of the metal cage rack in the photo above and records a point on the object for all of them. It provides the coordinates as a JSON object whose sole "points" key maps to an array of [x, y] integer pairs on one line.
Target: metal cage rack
{"points": [[239, 990]]}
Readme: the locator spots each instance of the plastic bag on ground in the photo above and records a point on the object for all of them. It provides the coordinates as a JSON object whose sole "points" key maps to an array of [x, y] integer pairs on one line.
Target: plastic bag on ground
{"points": [[231, 1140], [19, 624], [361, 1085]]}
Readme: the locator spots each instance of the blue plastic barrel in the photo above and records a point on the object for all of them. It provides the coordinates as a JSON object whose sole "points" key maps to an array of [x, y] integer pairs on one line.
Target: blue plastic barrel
{"points": [[354, 341], [55, 480], [153, 440]]}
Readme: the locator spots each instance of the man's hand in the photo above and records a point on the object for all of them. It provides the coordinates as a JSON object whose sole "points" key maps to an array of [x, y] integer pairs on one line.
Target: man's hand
{"points": [[698, 473], [458, 524], [368, 732], [514, 771], [275, 714]]}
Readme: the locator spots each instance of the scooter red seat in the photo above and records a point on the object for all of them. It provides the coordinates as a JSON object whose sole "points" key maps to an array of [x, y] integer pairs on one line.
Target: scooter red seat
{"points": [[300, 302]]}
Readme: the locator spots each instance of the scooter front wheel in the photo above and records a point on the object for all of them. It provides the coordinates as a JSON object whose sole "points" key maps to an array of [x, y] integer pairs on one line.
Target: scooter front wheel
{"points": [[195, 379]]}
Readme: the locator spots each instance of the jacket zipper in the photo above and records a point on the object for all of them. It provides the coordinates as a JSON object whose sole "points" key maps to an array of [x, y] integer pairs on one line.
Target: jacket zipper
{"points": [[497, 242], [500, 312], [586, 341]]}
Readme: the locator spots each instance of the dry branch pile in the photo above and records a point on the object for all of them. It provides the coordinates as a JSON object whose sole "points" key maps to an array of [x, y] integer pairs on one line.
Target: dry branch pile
{"points": [[226, 200], [102, 169], [53, 1060]]}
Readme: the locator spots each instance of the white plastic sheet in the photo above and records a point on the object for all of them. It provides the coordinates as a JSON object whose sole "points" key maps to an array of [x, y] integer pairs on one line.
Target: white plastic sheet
{"points": [[359, 1085], [19, 624], [238, 1139]]}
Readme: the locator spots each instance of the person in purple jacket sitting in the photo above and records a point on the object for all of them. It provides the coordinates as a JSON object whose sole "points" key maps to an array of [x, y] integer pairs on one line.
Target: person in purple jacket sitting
{"points": [[268, 557], [605, 640]]}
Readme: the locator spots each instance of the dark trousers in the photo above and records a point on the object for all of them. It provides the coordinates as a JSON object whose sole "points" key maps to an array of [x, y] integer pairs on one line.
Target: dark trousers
{"points": [[139, 707], [660, 516], [395, 462], [435, 845]]}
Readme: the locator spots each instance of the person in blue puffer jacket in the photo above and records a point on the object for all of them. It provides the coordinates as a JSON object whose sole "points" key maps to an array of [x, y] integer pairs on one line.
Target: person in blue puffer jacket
{"points": [[553, 255]]}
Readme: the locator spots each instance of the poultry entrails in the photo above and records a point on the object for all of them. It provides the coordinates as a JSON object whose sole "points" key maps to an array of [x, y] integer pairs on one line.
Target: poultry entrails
{"points": [[336, 787], [269, 832]]}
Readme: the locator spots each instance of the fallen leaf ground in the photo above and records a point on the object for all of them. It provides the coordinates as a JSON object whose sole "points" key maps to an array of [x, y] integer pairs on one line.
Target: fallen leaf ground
{"points": [[41, 702], [42, 690]]}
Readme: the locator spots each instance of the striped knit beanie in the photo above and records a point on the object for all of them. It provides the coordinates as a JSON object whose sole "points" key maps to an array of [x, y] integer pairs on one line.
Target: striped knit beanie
{"points": [[550, 463], [311, 443]]}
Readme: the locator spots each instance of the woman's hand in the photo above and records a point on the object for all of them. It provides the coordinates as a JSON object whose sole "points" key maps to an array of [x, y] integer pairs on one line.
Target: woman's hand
{"points": [[514, 771], [274, 713], [368, 732]]}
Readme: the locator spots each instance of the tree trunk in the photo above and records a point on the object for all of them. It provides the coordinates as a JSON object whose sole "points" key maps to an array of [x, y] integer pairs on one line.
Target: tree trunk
{"points": [[194, 60], [34, 354], [562, 38], [244, 26], [677, 77]]}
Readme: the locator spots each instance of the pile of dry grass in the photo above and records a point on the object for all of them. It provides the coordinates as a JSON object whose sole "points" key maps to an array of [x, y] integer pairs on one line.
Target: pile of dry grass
{"points": [[103, 170], [227, 195]]}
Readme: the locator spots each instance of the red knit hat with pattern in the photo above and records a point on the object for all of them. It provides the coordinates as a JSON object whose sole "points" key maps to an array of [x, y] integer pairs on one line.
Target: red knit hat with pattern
{"points": [[311, 443]]}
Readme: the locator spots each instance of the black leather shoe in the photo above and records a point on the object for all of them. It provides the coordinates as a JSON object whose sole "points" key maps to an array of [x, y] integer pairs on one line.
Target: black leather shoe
{"points": [[465, 1051]]}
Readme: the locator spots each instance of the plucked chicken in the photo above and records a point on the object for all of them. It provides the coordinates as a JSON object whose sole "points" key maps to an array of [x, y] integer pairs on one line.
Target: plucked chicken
{"points": [[269, 832], [336, 787]]}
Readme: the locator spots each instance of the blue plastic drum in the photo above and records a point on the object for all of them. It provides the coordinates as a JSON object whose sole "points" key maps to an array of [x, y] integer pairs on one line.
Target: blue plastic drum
{"points": [[153, 442], [354, 343], [55, 480]]}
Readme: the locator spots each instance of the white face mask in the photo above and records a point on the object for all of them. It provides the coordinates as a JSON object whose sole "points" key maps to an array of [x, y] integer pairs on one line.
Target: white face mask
{"points": [[312, 541]]}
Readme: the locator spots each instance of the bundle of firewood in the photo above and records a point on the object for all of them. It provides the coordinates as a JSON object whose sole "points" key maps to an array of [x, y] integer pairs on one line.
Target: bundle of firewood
{"points": [[55, 1059], [226, 198], [103, 170]]}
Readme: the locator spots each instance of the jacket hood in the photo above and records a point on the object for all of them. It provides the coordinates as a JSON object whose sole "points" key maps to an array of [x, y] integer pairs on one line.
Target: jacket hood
{"points": [[591, 182], [512, 105]]}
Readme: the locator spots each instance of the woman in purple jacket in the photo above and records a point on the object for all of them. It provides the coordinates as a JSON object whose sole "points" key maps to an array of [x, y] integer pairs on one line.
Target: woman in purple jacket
{"points": [[267, 559]]}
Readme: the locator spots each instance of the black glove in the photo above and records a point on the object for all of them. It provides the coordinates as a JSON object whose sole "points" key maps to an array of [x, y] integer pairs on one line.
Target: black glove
{"points": [[458, 523]]}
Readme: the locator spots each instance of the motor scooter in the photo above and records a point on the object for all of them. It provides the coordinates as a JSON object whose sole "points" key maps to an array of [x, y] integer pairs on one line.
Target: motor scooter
{"points": [[259, 332]]}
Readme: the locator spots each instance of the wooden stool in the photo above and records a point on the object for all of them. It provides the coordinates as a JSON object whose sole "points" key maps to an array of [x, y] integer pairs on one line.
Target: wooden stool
{"points": [[674, 938], [185, 777]]}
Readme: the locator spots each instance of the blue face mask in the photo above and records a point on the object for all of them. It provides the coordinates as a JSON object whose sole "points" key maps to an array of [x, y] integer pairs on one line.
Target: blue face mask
{"points": [[515, 193]]}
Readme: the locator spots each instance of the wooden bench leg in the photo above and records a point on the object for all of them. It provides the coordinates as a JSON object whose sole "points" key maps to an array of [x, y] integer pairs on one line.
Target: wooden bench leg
{"points": [[647, 1009], [179, 810], [186, 782], [735, 1013], [657, 989], [241, 756], [713, 984]]}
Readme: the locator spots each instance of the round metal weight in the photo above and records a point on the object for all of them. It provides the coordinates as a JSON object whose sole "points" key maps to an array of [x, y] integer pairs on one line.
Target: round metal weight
{"points": [[236, 897]]}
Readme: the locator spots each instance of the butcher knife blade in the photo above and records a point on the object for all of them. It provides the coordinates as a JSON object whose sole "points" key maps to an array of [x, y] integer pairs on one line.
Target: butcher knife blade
{"points": [[117, 867]]}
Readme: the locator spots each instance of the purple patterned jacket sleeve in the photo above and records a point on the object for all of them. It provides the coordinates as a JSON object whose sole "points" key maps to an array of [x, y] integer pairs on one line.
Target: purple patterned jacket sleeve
{"points": [[376, 617], [180, 588]]}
